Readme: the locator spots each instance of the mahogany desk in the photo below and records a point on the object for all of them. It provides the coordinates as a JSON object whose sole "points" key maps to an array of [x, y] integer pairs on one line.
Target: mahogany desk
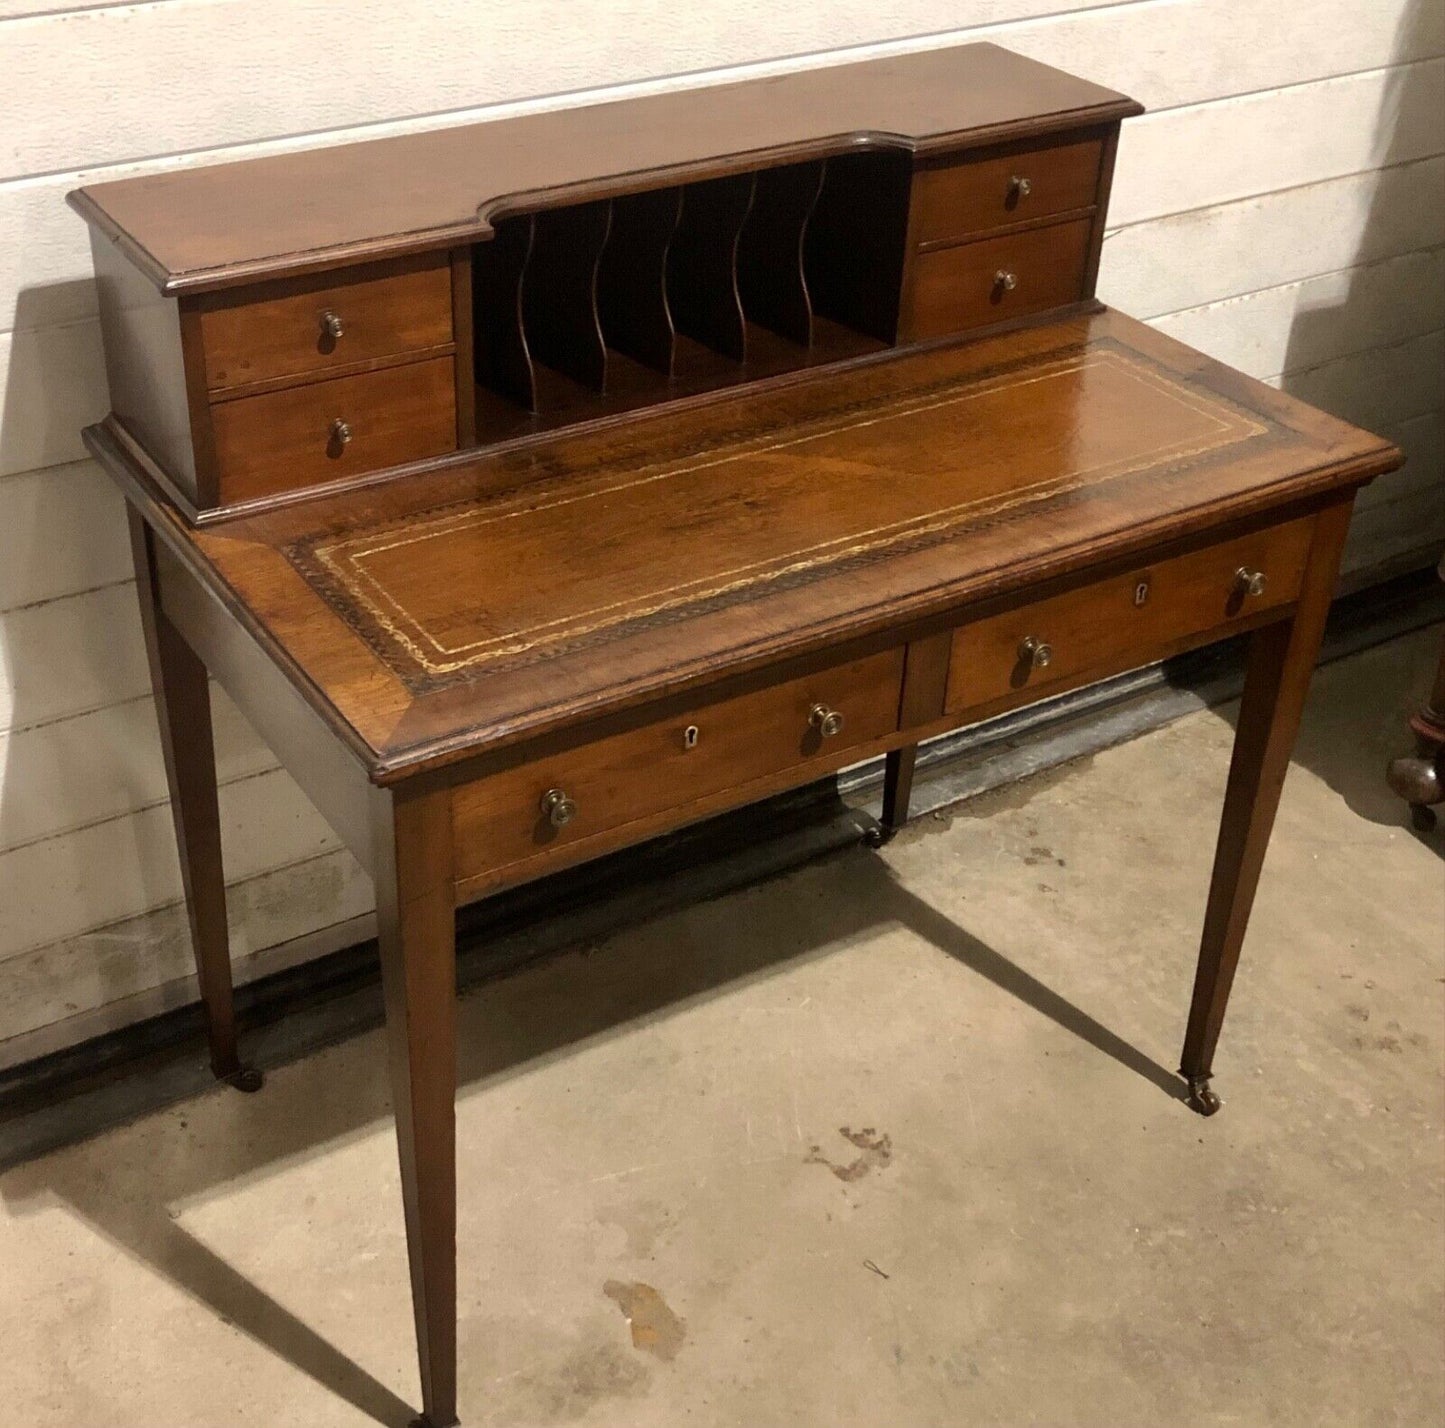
{"points": [[735, 437]]}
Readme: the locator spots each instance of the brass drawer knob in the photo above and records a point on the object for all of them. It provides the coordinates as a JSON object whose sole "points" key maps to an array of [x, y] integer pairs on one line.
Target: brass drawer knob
{"points": [[1019, 187], [826, 721], [1249, 582], [1035, 653], [332, 326], [557, 808], [340, 434], [1005, 280]]}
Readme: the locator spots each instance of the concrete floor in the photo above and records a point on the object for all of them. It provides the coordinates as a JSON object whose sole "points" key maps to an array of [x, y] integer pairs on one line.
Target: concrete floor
{"points": [[889, 1141]]}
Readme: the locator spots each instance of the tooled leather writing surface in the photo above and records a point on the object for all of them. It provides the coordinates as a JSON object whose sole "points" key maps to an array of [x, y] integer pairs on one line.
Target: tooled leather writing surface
{"points": [[474, 605], [631, 547]]}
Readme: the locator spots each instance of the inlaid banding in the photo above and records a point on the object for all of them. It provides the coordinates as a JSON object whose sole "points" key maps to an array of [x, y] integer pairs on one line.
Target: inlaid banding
{"points": [[418, 590]]}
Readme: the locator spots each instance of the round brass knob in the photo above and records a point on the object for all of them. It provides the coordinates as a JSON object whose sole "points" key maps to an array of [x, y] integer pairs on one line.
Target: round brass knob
{"points": [[557, 808], [1006, 279], [1035, 653], [826, 721], [332, 325], [1020, 187], [341, 432], [1250, 582]]}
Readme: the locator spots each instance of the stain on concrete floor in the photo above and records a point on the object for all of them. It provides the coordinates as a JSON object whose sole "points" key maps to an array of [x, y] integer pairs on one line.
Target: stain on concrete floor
{"points": [[655, 1328], [877, 1154]]}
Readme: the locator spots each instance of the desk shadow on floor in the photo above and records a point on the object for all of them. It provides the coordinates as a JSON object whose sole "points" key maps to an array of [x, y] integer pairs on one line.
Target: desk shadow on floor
{"points": [[127, 1194]]}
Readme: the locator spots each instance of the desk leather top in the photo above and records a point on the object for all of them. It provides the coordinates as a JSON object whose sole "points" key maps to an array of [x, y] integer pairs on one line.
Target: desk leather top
{"points": [[582, 573]]}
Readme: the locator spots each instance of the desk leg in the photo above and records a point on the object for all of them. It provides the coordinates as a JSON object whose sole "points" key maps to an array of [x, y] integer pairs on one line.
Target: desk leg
{"points": [[415, 914], [1281, 659], [898, 786], [183, 705]]}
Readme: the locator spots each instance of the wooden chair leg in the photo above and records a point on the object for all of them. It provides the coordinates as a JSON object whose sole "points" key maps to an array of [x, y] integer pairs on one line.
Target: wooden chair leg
{"points": [[415, 907], [183, 706], [1281, 659]]}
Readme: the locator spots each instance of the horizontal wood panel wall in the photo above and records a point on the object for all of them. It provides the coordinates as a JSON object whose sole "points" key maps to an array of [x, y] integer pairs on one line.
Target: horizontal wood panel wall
{"points": [[1282, 206]]}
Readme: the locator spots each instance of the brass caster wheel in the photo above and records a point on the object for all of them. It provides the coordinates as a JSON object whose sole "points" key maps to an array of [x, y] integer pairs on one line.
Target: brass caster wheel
{"points": [[879, 836], [1201, 1097], [1422, 818], [248, 1079]]}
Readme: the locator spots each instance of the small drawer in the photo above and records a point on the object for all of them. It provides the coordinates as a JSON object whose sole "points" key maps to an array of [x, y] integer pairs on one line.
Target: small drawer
{"points": [[302, 436], [322, 323], [1124, 621], [563, 804], [994, 279], [970, 196]]}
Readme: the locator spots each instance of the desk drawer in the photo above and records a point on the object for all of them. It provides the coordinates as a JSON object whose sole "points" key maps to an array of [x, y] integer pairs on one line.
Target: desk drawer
{"points": [[301, 436], [1123, 621], [323, 323], [973, 195], [994, 279], [501, 820]]}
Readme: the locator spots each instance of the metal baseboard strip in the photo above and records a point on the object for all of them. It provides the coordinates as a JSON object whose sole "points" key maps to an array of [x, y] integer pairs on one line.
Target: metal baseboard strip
{"points": [[82, 1090]]}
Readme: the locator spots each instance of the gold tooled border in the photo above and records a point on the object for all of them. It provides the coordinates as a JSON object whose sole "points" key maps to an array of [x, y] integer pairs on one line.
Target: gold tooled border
{"points": [[344, 560]]}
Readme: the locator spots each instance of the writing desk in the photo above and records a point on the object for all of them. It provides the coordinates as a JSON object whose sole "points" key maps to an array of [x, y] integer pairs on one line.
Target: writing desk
{"points": [[757, 491]]}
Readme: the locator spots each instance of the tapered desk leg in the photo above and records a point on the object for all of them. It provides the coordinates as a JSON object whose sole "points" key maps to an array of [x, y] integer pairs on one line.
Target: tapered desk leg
{"points": [[1281, 659], [183, 705], [898, 786], [415, 905]]}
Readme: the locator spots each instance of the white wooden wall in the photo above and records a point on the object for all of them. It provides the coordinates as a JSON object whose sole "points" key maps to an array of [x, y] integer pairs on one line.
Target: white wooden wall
{"points": [[1282, 206]]}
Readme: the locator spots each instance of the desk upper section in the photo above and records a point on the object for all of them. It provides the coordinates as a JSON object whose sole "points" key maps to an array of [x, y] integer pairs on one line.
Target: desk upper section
{"points": [[582, 574], [195, 229], [309, 321]]}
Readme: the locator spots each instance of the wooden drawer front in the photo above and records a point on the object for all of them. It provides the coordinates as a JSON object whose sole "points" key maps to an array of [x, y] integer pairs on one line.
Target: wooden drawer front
{"points": [[384, 314], [644, 772], [1123, 621], [971, 196], [955, 289], [291, 438]]}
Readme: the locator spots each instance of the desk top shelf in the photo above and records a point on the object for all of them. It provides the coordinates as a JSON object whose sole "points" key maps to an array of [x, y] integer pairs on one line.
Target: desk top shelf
{"points": [[193, 230]]}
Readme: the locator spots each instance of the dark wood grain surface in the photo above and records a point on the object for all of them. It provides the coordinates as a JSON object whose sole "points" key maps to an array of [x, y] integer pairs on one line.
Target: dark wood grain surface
{"points": [[1099, 628], [702, 750], [1017, 183], [202, 228], [992, 280], [288, 438], [278, 331]]}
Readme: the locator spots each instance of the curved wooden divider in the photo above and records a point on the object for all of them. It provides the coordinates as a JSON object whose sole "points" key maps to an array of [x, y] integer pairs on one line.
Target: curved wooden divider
{"points": [[616, 303], [632, 300], [559, 294], [503, 362], [702, 265], [771, 277], [856, 240]]}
